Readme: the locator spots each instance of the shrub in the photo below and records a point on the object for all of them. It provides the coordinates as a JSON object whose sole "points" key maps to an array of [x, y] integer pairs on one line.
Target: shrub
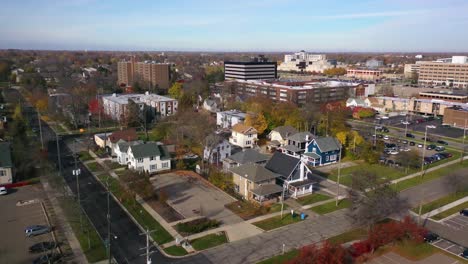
{"points": [[197, 226]]}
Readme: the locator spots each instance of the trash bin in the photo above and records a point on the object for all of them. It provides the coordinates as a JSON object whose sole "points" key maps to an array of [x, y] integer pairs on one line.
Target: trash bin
{"points": [[303, 216]]}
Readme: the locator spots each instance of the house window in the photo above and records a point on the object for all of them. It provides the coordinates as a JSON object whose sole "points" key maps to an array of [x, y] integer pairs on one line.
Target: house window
{"points": [[140, 160], [247, 142], [153, 167], [332, 157], [314, 150], [327, 158], [152, 158], [236, 188], [165, 165], [2, 173]]}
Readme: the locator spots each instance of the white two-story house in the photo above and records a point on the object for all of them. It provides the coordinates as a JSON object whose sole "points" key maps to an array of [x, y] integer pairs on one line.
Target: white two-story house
{"points": [[243, 136], [121, 148], [216, 149], [149, 157]]}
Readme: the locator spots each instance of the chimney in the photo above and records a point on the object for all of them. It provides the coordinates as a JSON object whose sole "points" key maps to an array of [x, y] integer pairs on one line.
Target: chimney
{"points": [[114, 95], [307, 138]]}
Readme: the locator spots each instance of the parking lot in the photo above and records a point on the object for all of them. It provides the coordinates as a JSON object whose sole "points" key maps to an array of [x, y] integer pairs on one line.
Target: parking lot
{"points": [[15, 216], [393, 258], [458, 222], [448, 246], [191, 197]]}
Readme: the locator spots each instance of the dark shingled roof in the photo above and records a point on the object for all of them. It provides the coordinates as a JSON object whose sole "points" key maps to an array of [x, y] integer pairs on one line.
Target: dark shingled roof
{"points": [[301, 137], [150, 149], [266, 189], [285, 131], [326, 144], [5, 155], [282, 164], [248, 155], [254, 172]]}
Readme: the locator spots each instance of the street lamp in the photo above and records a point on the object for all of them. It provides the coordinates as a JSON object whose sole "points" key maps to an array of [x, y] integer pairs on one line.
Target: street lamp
{"points": [[424, 148]]}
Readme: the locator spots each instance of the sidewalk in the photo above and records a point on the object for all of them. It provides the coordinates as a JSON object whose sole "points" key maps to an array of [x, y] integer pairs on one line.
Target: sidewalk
{"points": [[75, 246], [444, 208]]}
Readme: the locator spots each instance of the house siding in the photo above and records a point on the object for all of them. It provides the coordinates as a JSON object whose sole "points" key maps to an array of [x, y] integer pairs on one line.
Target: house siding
{"points": [[7, 175]]}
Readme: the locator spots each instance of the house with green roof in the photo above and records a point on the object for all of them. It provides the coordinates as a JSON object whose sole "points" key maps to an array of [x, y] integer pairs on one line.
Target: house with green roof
{"points": [[6, 165], [148, 157]]}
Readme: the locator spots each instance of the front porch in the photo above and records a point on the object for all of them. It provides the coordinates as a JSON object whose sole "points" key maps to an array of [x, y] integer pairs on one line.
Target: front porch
{"points": [[312, 158], [266, 193], [300, 188]]}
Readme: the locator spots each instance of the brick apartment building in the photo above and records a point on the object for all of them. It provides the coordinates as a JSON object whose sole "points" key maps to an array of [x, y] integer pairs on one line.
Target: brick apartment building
{"points": [[456, 117], [157, 74], [298, 93], [453, 73]]}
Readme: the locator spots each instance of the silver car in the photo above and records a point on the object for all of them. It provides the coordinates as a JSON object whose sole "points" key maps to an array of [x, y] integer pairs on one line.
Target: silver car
{"points": [[36, 230]]}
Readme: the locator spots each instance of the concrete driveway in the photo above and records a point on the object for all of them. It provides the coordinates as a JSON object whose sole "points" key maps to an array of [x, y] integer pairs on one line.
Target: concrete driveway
{"points": [[193, 197]]}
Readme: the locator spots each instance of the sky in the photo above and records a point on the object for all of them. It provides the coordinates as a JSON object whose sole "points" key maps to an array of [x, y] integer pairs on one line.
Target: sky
{"points": [[236, 25]]}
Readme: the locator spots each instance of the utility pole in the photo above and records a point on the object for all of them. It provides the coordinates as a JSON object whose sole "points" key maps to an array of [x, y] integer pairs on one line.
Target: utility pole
{"points": [[40, 128], [77, 172], [147, 248], [58, 154], [338, 180]]}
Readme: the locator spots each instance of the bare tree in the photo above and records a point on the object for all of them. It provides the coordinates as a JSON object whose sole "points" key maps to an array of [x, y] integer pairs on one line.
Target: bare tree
{"points": [[456, 182], [373, 199]]}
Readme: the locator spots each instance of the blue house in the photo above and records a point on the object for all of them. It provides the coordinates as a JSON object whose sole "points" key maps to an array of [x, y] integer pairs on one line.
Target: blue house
{"points": [[322, 151]]}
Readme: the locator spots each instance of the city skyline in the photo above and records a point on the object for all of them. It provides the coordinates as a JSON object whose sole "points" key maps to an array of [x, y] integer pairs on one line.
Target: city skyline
{"points": [[275, 25]]}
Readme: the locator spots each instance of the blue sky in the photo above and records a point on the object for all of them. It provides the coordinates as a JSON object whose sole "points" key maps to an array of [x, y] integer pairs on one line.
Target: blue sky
{"points": [[236, 25]]}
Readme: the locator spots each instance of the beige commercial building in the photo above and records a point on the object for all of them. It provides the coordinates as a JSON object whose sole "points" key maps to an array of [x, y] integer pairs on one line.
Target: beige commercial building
{"points": [[364, 74], [454, 73], [157, 74], [456, 116]]}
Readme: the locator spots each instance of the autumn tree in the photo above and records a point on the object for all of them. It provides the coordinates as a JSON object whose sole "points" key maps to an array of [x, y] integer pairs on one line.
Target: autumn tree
{"points": [[176, 90], [326, 253], [373, 199], [409, 159], [335, 71], [257, 121]]}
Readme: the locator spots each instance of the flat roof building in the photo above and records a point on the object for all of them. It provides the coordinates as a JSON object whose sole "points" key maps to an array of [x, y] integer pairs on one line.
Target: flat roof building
{"points": [[453, 72], [364, 74], [259, 68], [306, 62], [157, 74]]}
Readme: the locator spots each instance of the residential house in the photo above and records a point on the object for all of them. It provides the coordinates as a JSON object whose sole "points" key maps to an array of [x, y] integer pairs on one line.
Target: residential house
{"points": [[150, 157], [211, 105], [322, 151], [297, 143], [101, 139], [254, 182], [244, 157], [216, 149], [228, 119], [243, 136], [278, 136], [355, 102], [121, 149], [6, 165], [127, 135], [373, 103], [295, 176]]}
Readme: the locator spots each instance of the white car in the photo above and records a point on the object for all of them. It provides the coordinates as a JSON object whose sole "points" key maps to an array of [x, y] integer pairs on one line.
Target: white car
{"points": [[420, 145], [385, 117], [3, 190], [386, 138], [393, 152]]}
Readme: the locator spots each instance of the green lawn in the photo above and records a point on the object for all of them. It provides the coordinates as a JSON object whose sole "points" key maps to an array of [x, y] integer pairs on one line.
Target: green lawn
{"points": [[84, 156], [331, 206], [95, 250], [384, 172], [176, 251], [313, 198], [113, 165], [209, 241], [95, 167], [355, 234], [440, 202], [429, 176], [161, 236], [279, 259], [415, 251], [248, 210], [450, 211], [277, 221]]}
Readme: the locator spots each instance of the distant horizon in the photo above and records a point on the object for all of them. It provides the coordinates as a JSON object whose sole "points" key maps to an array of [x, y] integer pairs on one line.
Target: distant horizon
{"points": [[334, 26]]}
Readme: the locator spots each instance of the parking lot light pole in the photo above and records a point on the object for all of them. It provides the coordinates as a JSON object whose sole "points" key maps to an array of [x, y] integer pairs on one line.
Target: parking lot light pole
{"points": [[463, 142], [338, 180], [424, 149]]}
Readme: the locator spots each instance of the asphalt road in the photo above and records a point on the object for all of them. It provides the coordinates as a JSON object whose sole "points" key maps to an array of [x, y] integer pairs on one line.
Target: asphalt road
{"points": [[126, 248]]}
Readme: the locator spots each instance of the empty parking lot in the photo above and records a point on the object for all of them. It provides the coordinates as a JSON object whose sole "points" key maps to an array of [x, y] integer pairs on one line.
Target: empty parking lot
{"points": [[191, 197], [15, 216], [458, 222]]}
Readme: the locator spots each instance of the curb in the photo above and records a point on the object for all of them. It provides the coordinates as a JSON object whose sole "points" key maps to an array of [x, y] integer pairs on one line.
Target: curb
{"points": [[48, 223]]}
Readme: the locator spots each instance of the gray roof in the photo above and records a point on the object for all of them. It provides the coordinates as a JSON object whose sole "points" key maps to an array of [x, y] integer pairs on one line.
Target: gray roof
{"points": [[292, 148], [327, 144], [282, 164], [254, 172], [266, 189], [285, 131], [248, 155], [123, 145], [5, 155], [150, 149], [312, 155], [301, 137]]}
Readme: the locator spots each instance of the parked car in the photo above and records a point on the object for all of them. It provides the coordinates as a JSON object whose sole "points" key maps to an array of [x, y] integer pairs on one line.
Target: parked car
{"points": [[386, 137], [385, 130], [431, 147], [48, 258], [393, 152], [446, 154], [36, 230], [428, 160], [437, 156], [420, 145], [431, 237], [404, 141], [3, 190], [464, 254], [440, 148], [412, 143], [464, 212], [409, 135], [380, 136], [426, 138], [442, 142], [42, 247]]}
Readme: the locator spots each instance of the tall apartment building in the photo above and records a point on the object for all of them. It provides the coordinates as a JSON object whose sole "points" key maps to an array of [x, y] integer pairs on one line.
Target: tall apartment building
{"points": [[453, 72], [304, 61], [259, 68], [298, 93], [115, 105], [157, 74]]}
